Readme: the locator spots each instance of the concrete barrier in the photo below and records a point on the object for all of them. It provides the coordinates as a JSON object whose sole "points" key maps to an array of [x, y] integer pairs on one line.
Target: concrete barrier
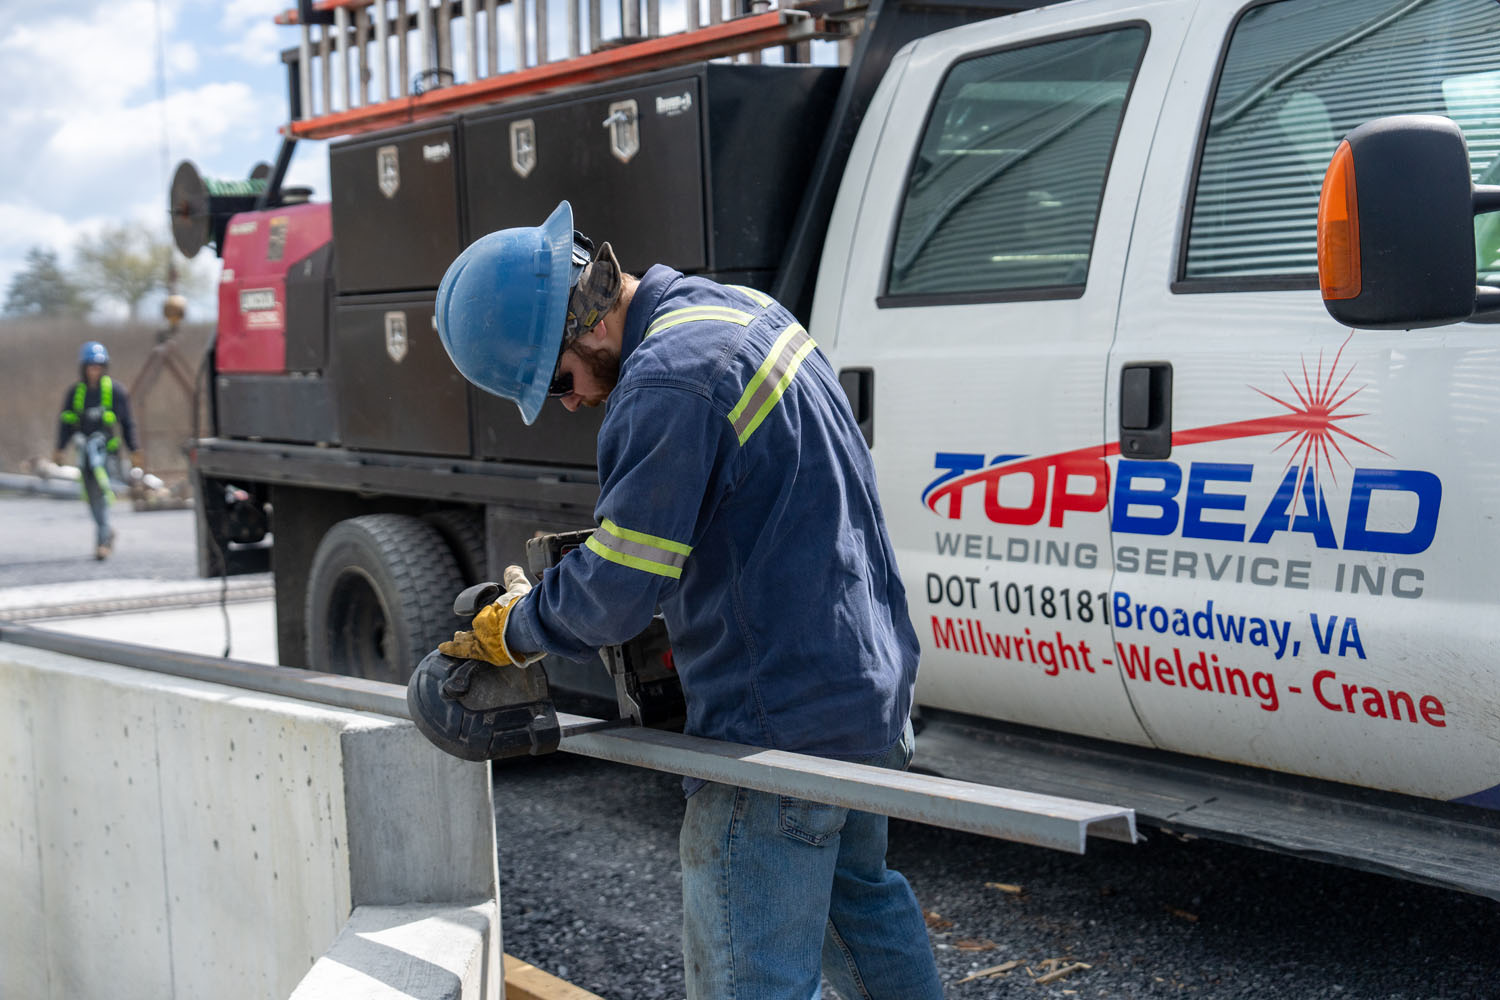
{"points": [[163, 837]]}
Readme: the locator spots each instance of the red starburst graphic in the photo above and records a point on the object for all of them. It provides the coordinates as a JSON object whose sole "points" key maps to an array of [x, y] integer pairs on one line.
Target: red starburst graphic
{"points": [[1314, 419], [1310, 427]]}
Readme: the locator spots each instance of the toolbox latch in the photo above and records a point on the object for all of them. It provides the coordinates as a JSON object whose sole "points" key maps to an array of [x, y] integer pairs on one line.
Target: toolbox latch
{"points": [[624, 124]]}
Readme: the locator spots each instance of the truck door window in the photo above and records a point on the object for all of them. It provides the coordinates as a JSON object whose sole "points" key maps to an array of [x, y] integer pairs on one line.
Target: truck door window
{"points": [[1299, 74], [1004, 192]]}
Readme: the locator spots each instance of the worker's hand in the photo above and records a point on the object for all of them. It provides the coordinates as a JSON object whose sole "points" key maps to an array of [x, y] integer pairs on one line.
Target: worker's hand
{"points": [[515, 581], [58, 457], [486, 639], [138, 459]]}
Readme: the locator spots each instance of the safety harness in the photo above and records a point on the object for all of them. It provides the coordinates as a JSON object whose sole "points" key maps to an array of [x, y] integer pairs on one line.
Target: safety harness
{"points": [[74, 414]]}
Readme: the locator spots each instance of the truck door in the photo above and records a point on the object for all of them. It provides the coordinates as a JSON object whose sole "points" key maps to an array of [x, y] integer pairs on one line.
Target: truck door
{"points": [[968, 297], [1303, 515]]}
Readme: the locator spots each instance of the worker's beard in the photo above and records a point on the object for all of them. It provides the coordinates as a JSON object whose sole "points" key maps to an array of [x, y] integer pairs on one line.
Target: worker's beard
{"points": [[603, 364]]}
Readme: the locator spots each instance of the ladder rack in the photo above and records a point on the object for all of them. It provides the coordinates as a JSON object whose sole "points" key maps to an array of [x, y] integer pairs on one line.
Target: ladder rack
{"points": [[347, 46]]}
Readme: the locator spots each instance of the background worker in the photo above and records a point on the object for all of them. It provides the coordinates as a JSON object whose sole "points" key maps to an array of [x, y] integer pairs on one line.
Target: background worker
{"points": [[96, 413], [738, 496]]}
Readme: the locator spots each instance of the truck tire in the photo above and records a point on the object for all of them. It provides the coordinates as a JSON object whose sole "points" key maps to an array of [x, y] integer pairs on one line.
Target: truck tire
{"points": [[463, 530], [380, 597]]}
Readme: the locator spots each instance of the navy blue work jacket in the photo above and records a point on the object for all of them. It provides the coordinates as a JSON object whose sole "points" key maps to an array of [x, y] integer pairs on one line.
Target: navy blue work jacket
{"points": [[737, 494]]}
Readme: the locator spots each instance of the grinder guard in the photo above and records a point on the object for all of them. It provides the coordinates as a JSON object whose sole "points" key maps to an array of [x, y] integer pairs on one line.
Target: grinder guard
{"points": [[478, 711]]}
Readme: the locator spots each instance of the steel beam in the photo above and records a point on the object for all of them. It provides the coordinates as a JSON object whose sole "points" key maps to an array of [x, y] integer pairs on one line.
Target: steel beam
{"points": [[1041, 820], [1024, 817]]}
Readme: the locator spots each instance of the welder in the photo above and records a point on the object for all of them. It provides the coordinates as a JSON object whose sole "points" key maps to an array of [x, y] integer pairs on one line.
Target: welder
{"points": [[96, 414], [737, 496]]}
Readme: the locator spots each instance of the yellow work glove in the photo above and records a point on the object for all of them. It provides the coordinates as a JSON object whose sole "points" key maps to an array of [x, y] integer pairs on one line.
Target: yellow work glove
{"points": [[58, 458], [485, 640], [138, 459]]}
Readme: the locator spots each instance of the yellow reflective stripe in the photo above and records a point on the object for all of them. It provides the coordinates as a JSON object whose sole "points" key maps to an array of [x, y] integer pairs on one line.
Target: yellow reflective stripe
{"points": [[107, 393], [69, 417], [638, 550], [78, 392], [688, 314], [769, 383], [754, 295]]}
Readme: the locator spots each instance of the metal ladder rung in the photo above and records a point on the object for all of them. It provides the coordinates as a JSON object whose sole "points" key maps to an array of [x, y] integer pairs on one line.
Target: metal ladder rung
{"points": [[756, 31], [344, 44]]}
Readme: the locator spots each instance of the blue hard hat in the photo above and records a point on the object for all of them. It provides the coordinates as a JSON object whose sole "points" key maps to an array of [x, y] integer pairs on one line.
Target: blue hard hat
{"points": [[93, 353], [501, 308]]}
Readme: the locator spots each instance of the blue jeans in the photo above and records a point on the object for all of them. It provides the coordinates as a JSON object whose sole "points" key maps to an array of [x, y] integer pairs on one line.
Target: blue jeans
{"points": [[93, 459], [777, 890]]}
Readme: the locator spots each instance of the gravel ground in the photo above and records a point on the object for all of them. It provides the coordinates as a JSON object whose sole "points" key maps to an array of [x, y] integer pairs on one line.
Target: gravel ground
{"points": [[590, 892]]}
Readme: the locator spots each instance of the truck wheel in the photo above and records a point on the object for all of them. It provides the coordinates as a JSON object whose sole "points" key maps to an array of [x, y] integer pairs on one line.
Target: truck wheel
{"points": [[380, 597], [463, 530]]}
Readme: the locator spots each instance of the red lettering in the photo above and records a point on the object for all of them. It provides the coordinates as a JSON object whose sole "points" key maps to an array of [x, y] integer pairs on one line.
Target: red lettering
{"points": [[1001, 514], [1432, 711], [1164, 672], [1318, 679], [1137, 664], [943, 636], [1092, 501], [1377, 704]]}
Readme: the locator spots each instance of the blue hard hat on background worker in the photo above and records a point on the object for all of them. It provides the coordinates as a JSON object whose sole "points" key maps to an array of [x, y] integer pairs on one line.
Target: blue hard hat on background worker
{"points": [[510, 304], [93, 353]]}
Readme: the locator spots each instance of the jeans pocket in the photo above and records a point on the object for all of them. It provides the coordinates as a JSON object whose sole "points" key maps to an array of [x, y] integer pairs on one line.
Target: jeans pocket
{"points": [[813, 823]]}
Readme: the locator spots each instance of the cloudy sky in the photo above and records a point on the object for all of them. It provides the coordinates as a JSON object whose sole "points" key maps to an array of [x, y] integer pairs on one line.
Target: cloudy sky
{"points": [[91, 142]]}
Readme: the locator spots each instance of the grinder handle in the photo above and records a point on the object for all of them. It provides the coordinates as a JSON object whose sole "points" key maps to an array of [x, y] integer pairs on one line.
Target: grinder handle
{"points": [[471, 599]]}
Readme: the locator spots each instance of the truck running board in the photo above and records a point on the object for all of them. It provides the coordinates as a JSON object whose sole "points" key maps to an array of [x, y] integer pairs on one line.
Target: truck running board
{"points": [[1439, 843]]}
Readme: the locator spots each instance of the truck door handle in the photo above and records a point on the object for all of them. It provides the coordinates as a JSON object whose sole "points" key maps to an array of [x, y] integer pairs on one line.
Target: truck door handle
{"points": [[859, 386], [1146, 410]]}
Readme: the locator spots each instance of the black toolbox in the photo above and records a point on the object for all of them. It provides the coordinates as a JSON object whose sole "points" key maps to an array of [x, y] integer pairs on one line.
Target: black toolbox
{"points": [[393, 384], [397, 221], [701, 168]]}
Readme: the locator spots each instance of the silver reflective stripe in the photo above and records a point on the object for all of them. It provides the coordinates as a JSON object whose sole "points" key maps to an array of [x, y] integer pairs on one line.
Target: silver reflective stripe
{"points": [[754, 295], [688, 314], [770, 380], [638, 550]]}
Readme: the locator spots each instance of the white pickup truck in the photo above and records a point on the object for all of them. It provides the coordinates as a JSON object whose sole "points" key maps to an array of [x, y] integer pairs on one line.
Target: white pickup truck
{"points": [[1143, 488], [1174, 537]]}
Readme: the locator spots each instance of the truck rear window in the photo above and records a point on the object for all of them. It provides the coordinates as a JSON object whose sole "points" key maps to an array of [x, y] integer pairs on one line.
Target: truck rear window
{"points": [[1004, 193], [1298, 75]]}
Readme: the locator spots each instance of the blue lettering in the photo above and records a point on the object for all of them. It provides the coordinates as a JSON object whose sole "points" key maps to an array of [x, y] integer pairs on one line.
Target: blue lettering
{"points": [[1279, 515], [955, 464], [1127, 494], [1428, 490], [1198, 499]]}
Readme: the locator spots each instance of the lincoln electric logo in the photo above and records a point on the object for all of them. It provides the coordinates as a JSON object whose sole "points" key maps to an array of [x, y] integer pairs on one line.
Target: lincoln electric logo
{"points": [[1212, 500]]}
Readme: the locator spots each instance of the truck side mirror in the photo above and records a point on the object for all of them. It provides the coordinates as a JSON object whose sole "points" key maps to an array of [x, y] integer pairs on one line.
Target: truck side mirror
{"points": [[1396, 227]]}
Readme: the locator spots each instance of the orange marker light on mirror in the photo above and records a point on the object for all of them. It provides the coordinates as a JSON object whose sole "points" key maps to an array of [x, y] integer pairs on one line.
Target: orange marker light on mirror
{"points": [[1338, 228]]}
